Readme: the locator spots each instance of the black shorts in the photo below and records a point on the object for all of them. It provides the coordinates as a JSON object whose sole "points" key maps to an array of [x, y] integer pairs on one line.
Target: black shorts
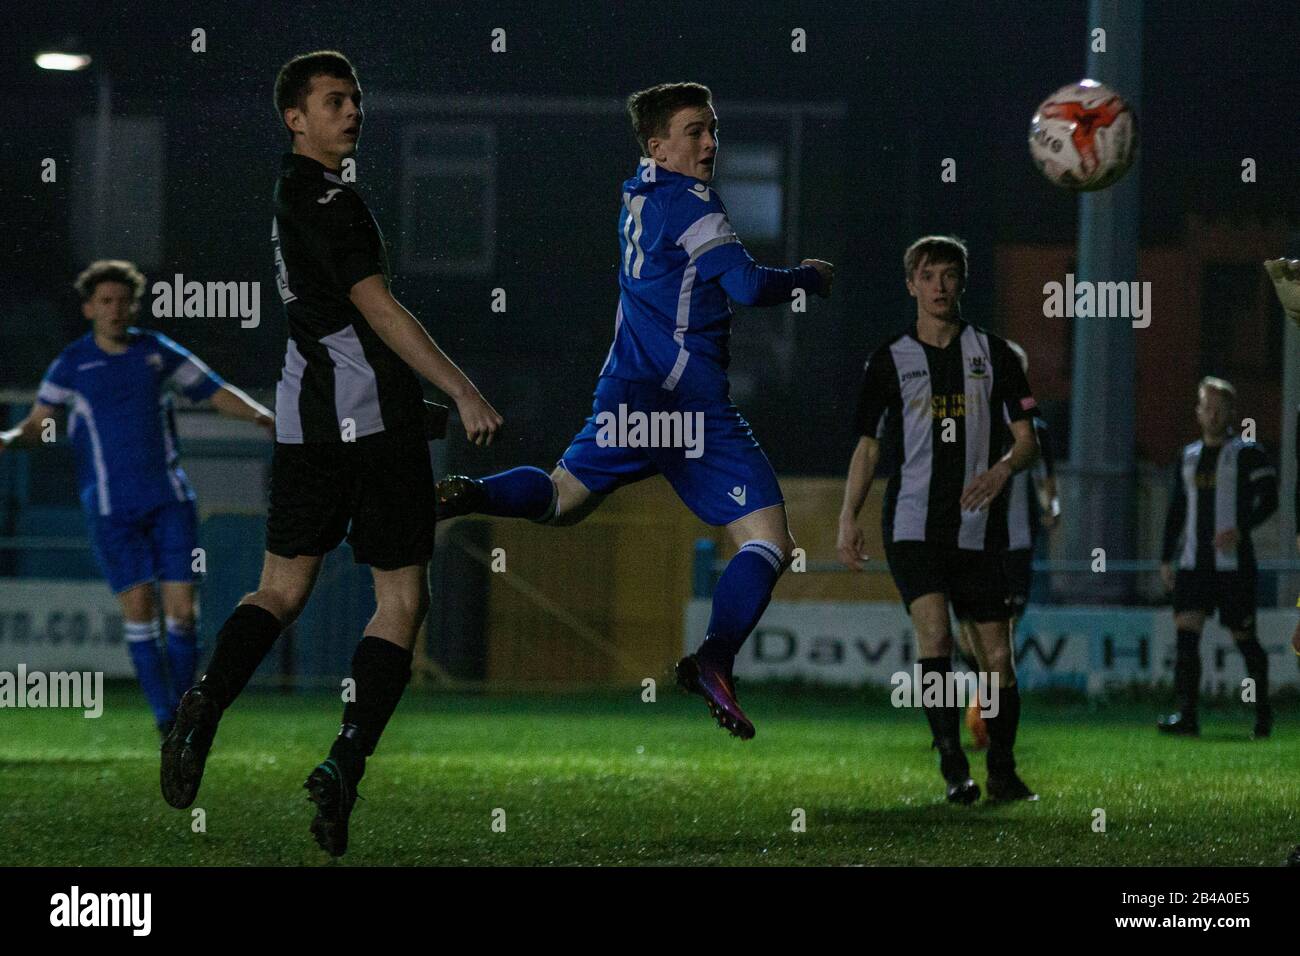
{"points": [[974, 581], [377, 490], [1018, 566], [1232, 592]]}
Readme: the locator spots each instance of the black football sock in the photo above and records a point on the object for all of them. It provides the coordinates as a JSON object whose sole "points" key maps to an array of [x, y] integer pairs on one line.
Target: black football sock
{"points": [[243, 641], [381, 670], [944, 721], [1187, 673], [1256, 669], [1002, 730]]}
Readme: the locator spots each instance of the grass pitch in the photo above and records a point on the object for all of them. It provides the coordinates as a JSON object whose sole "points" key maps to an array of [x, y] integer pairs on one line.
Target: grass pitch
{"points": [[607, 779]]}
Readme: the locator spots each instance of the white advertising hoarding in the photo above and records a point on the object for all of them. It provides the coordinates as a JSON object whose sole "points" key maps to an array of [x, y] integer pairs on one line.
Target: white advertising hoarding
{"points": [[61, 626], [1087, 648]]}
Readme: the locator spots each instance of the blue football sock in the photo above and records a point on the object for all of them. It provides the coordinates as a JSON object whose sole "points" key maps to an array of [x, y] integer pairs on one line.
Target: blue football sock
{"points": [[142, 642], [739, 600], [525, 492], [182, 654]]}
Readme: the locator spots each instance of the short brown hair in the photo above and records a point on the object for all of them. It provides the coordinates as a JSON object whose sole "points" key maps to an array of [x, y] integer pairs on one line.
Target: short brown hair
{"points": [[109, 270], [293, 82], [936, 249], [1221, 385], [652, 109]]}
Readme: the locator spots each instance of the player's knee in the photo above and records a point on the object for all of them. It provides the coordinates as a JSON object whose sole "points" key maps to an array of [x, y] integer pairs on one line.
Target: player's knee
{"points": [[999, 660], [285, 603], [934, 642], [137, 604], [180, 610], [573, 500], [404, 609]]}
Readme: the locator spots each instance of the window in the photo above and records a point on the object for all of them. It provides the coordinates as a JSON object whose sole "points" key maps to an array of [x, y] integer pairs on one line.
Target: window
{"points": [[749, 176], [448, 199]]}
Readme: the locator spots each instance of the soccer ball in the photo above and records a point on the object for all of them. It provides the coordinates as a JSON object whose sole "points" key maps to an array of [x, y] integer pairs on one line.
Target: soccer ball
{"points": [[1083, 137]]}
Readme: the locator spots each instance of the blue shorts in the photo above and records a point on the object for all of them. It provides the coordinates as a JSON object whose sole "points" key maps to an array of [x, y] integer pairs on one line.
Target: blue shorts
{"points": [[705, 449], [145, 546]]}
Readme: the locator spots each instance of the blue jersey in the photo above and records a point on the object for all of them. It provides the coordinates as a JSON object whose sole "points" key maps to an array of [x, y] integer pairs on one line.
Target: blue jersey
{"points": [[674, 319], [121, 421]]}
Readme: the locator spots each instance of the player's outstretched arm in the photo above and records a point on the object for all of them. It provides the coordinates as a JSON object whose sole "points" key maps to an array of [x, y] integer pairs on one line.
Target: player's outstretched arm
{"points": [[849, 540], [749, 283], [400, 331], [28, 431], [1285, 274], [235, 403]]}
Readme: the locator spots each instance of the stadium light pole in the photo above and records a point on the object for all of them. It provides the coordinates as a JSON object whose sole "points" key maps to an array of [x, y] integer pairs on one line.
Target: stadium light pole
{"points": [[1103, 392], [64, 61]]}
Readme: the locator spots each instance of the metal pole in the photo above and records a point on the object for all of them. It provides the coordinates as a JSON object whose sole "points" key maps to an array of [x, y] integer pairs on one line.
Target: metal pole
{"points": [[1102, 513]]}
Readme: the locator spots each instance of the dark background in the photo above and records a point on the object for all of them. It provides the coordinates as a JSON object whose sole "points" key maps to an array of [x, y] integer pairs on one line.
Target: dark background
{"points": [[916, 82]]}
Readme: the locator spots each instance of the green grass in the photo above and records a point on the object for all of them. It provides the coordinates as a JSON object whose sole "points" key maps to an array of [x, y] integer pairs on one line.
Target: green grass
{"points": [[607, 779]]}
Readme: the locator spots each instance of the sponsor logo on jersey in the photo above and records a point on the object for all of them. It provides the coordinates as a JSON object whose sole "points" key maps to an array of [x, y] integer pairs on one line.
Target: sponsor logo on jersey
{"points": [[329, 196], [948, 406]]}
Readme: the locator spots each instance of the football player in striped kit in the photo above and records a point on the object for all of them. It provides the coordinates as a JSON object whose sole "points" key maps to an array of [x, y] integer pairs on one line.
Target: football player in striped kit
{"points": [[956, 410], [1032, 504], [1224, 487], [351, 455]]}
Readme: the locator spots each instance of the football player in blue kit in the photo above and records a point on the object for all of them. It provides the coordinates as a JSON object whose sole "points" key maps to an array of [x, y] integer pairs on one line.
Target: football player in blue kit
{"points": [[681, 261], [117, 382]]}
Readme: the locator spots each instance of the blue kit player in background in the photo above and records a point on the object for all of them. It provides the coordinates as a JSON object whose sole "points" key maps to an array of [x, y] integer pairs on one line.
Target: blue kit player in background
{"points": [[680, 263], [117, 383]]}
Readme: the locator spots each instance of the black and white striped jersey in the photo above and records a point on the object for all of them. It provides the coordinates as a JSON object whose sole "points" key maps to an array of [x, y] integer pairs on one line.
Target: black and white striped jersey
{"points": [[942, 415], [339, 381], [1232, 486], [1023, 508]]}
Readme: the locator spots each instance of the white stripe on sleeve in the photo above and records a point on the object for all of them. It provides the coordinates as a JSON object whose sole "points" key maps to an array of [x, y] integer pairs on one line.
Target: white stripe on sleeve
{"points": [[709, 230]]}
